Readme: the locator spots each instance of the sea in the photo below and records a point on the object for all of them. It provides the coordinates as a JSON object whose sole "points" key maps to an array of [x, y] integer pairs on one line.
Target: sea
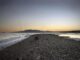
{"points": [[8, 39]]}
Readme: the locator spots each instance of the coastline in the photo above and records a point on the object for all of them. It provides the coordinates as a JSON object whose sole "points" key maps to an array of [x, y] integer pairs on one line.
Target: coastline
{"points": [[43, 47]]}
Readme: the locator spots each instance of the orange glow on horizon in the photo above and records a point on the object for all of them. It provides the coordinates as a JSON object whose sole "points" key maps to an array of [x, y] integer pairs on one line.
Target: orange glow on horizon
{"points": [[44, 28]]}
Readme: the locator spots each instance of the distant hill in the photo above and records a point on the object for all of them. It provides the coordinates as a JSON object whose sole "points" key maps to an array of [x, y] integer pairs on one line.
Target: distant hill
{"points": [[75, 31], [34, 31]]}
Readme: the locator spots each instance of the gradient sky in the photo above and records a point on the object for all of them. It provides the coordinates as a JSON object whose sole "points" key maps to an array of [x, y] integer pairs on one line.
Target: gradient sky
{"points": [[51, 15]]}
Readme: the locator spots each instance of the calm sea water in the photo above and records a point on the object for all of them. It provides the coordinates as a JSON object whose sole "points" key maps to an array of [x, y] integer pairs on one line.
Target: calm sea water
{"points": [[71, 35]]}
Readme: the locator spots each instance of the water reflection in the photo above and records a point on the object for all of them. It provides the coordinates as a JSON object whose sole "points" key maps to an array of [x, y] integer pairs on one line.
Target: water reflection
{"points": [[71, 35]]}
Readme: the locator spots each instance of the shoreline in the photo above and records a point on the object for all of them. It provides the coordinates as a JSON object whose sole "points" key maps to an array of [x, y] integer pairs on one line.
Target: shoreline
{"points": [[43, 47]]}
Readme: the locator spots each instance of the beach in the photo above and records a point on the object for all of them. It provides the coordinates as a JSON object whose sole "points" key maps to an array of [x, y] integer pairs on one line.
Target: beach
{"points": [[43, 47]]}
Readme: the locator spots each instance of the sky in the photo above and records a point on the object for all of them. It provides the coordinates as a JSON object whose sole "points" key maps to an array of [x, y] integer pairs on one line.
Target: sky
{"points": [[49, 15]]}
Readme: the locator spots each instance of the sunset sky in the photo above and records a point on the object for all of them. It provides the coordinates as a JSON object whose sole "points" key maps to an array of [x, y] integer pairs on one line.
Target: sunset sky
{"points": [[50, 15]]}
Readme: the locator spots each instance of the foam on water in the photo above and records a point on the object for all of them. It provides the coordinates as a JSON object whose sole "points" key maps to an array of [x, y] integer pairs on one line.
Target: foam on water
{"points": [[8, 39]]}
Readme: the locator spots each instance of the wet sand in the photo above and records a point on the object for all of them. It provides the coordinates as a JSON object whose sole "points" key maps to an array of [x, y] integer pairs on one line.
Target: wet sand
{"points": [[43, 47]]}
